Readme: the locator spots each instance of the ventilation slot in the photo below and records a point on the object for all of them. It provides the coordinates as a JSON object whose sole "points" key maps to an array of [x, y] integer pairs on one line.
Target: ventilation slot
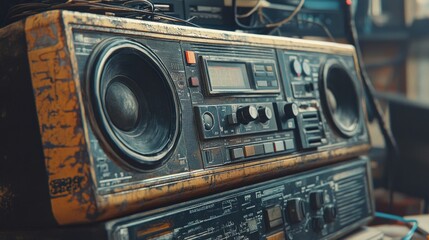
{"points": [[314, 141], [310, 116], [312, 133], [234, 51], [351, 194], [312, 128]]}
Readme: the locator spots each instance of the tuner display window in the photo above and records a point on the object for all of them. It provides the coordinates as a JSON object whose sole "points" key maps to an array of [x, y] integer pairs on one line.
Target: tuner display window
{"points": [[226, 76]]}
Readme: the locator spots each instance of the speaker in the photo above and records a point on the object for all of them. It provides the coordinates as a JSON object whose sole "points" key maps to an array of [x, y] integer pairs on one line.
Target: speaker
{"points": [[340, 97], [102, 116], [127, 81]]}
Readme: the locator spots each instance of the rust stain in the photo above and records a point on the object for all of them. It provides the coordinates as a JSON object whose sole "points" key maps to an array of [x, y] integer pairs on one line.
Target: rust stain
{"points": [[60, 121]]}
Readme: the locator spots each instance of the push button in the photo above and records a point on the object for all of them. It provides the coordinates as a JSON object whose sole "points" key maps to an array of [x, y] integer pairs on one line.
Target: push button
{"points": [[236, 153], [318, 224], [289, 144], [260, 74], [259, 68], [190, 57], [232, 119], [330, 213], [317, 199], [262, 83], [274, 83], [249, 151], [273, 217], [268, 147], [259, 149], [279, 146], [295, 210], [194, 82]]}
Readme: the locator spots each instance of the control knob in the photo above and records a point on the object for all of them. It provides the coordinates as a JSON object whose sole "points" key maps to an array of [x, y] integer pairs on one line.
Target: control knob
{"points": [[295, 210], [306, 69], [317, 199], [247, 114], [265, 114], [296, 67], [291, 110], [208, 121], [330, 213], [317, 223]]}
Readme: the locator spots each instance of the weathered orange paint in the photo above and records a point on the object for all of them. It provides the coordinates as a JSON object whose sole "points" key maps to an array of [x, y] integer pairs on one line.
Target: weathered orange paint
{"points": [[59, 116]]}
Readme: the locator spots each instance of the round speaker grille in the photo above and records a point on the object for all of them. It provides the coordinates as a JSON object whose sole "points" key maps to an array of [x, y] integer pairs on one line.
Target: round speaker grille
{"points": [[133, 101], [340, 98]]}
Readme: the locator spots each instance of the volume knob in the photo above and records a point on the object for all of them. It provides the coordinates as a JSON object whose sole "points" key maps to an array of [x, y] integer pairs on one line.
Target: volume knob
{"points": [[295, 210], [265, 114], [318, 223], [330, 213], [247, 114], [306, 69], [291, 110], [296, 67]]}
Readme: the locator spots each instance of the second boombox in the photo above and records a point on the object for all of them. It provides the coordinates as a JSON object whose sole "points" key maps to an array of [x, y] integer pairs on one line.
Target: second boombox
{"points": [[104, 116]]}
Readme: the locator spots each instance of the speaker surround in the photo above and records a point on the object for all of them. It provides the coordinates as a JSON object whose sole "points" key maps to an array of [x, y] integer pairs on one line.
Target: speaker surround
{"points": [[135, 108], [340, 98]]}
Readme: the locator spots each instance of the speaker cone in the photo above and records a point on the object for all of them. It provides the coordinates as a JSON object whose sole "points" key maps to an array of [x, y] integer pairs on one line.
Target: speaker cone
{"points": [[340, 98], [133, 101]]}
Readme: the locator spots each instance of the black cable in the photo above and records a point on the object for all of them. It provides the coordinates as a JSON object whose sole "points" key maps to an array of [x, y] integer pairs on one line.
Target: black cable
{"points": [[290, 17], [391, 145], [319, 24], [322, 26], [141, 9], [237, 21]]}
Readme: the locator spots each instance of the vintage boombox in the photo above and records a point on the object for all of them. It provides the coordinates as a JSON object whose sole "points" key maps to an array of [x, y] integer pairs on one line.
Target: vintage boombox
{"points": [[103, 116], [322, 203]]}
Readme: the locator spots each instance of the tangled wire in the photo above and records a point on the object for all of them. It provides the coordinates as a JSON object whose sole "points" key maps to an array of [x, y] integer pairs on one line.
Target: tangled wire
{"points": [[139, 9]]}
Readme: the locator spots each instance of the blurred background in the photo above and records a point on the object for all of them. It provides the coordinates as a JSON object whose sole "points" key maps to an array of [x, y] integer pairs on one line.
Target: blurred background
{"points": [[394, 39]]}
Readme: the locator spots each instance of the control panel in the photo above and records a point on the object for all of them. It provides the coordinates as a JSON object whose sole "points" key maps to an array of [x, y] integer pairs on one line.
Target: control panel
{"points": [[252, 103], [317, 204], [234, 119], [327, 92]]}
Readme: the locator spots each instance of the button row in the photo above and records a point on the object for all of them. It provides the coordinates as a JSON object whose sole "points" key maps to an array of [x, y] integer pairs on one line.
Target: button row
{"points": [[268, 68], [267, 83], [264, 148], [264, 74]]}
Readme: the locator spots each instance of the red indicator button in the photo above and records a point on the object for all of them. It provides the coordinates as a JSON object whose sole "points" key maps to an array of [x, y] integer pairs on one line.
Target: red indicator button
{"points": [[194, 81], [190, 57]]}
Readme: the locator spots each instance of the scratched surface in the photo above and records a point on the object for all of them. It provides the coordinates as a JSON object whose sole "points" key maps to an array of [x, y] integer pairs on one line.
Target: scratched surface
{"points": [[64, 145], [66, 136]]}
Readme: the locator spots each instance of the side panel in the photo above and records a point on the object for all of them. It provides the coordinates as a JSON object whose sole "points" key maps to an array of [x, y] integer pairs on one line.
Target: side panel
{"points": [[59, 114]]}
